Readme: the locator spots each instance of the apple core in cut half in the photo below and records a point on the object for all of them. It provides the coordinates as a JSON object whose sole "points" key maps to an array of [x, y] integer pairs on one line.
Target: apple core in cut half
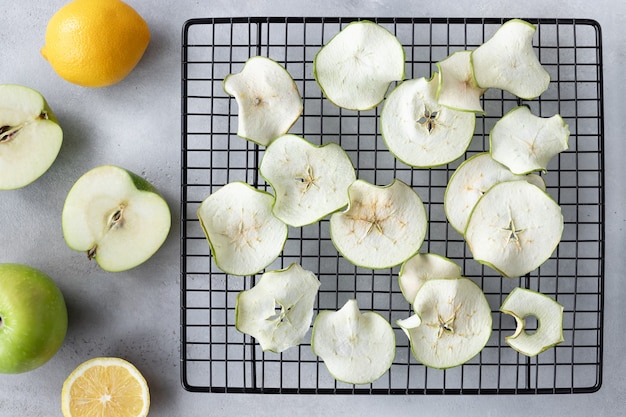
{"points": [[422, 267], [278, 310], [244, 235], [116, 217], [421, 132], [268, 99], [357, 66], [382, 226], [30, 137], [522, 303], [309, 181], [457, 85], [356, 347], [514, 228]]}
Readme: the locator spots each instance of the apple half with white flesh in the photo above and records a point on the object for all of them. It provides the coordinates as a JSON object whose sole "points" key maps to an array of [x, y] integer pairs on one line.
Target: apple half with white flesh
{"points": [[418, 130], [268, 99], [514, 228], [309, 181], [278, 310], [522, 303], [382, 227], [471, 180], [356, 67], [356, 347], [30, 136], [457, 85], [422, 267], [116, 217], [451, 325], [243, 233], [524, 142], [508, 61]]}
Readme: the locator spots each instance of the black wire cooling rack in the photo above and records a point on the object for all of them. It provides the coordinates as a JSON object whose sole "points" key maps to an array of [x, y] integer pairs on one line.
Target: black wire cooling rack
{"points": [[215, 357]]}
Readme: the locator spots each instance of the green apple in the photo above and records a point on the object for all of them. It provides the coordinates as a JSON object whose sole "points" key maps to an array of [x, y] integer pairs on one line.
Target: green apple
{"points": [[33, 318], [30, 137], [116, 217]]}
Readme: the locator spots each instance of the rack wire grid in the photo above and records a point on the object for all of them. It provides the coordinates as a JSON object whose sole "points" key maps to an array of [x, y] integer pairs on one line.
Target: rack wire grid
{"points": [[215, 357]]}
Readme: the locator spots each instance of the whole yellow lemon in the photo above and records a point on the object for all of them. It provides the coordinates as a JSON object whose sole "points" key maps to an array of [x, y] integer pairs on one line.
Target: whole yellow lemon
{"points": [[95, 43]]}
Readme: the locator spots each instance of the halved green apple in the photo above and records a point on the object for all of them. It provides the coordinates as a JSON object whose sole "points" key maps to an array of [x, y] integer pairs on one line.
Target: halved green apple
{"points": [[457, 84], [422, 267]]}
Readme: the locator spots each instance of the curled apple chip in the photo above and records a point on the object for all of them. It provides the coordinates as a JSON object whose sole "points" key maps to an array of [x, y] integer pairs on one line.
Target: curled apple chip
{"points": [[522, 303], [356, 347], [309, 181], [382, 226], [268, 99], [514, 228], [473, 178], [507, 61], [278, 310], [422, 267], [418, 130], [454, 322], [356, 67], [243, 234], [524, 142], [457, 85]]}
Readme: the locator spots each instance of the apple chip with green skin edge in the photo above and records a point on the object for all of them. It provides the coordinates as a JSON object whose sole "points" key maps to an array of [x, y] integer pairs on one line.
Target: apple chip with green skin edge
{"points": [[418, 130], [422, 267], [457, 85], [514, 228], [507, 61], [356, 347], [30, 137], [454, 322], [524, 142], [244, 235], [278, 310], [268, 99], [382, 227], [357, 66], [116, 217], [522, 303], [309, 181], [473, 178]]}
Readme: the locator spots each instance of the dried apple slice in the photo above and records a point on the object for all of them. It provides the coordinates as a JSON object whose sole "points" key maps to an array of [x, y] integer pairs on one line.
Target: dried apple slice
{"points": [[471, 180], [278, 310], [524, 142], [457, 85], [309, 181], [514, 228], [418, 130], [422, 267], [454, 322], [382, 226], [356, 67], [507, 61], [356, 347], [268, 99], [244, 235], [522, 303]]}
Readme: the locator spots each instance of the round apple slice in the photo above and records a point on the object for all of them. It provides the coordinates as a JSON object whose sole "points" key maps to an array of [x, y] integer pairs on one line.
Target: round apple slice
{"points": [[418, 130], [507, 61], [244, 235], [471, 180], [356, 67], [454, 322], [356, 347], [268, 99], [382, 226], [422, 267], [116, 217], [457, 85], [278, 310], [522, 303], [514, 228], [524, 142], [309, 181]]}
